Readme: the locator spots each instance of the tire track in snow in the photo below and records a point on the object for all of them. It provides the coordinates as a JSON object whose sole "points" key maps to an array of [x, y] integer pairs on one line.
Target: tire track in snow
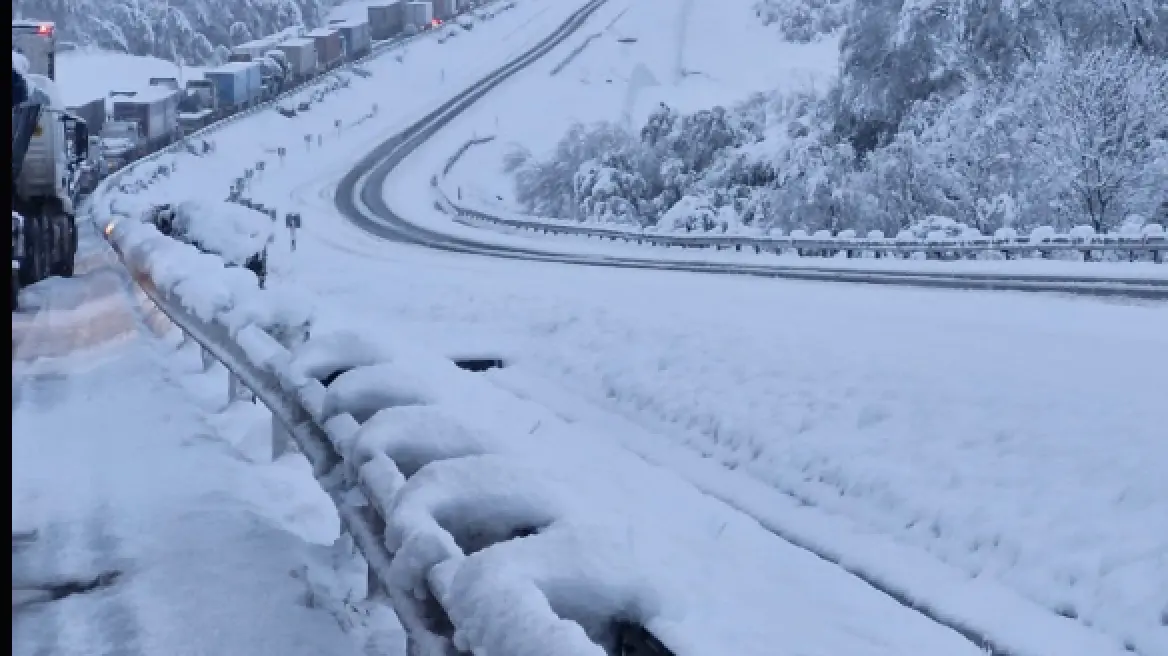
{"points": [[78, 543], [120, 628], [684, 11], [37, 628], [579, 50], [92, 309]]}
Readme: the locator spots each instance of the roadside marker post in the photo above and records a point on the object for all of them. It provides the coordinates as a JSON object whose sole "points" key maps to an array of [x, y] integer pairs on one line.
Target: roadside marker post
{"points": [[292, 221]]}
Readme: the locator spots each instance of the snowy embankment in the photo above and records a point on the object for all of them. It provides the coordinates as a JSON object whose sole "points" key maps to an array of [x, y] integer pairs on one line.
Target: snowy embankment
{"points": [[749, 344], [637, 55]]}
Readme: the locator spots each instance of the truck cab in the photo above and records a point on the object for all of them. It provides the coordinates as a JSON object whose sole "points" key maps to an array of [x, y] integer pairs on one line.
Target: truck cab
{"points": [[119, 143], [51, 143], [37, 41], [205, 90]]}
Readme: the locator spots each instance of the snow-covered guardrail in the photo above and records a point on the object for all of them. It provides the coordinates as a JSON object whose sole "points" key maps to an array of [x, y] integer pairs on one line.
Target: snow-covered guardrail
{"points": [[422, 494], [1153, 244]]}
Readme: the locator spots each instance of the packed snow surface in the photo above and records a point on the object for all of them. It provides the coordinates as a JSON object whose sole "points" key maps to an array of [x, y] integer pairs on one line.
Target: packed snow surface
{"points": [[129, 458]]}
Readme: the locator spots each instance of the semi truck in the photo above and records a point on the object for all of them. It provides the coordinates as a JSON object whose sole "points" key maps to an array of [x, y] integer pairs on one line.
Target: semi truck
{"points": [[37, 41], [302, 58], [387, 20], [444, 10], [92, 112], [273, 74], [48, 147], [329, 52], [120, 143], [357, 38], [155, 110], [418, 15], [237, 84], [93, 169]]}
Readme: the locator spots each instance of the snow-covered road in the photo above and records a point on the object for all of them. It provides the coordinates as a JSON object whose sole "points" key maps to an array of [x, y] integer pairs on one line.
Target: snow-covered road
{"points": [[1009, 440], [128, 458], [1012, 437]]}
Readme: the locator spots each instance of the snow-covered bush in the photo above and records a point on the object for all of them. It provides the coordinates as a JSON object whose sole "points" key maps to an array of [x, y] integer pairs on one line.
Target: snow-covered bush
{"points": [[999, 115], [803, 20], [549, 188], [603, 173]]}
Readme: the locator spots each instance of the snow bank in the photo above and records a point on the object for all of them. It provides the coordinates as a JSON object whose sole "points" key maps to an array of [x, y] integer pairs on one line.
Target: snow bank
{"points": [[20, 63], [212, 291], [89, 74], [230, 230], [46, 86], [461, 469]]}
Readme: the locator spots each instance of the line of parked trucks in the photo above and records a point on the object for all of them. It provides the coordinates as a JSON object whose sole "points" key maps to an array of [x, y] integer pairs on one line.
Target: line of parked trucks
{"points": [[74, 148], [256, 71]]}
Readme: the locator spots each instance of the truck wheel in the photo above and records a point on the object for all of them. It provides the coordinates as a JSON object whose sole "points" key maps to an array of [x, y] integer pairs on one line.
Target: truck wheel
{"points": [[67, 254], [72, 254], [44, 249], [30, 265]]}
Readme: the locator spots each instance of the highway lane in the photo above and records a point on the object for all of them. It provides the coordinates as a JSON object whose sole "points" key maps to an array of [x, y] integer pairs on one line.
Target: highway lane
{"points": [[360, 199]]}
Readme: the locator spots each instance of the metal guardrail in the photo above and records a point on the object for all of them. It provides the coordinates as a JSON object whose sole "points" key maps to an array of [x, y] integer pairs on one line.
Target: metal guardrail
{"points": [[1154, 247], [261, 367]]}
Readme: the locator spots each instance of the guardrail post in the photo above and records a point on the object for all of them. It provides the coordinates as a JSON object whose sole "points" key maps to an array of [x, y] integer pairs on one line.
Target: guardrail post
{"points": [[281, 439], [208, 359], [237, 391], [373, 587]]}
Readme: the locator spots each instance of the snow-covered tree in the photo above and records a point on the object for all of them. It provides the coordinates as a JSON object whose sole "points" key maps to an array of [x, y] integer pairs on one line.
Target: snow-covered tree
{"points": [[803, 20], [192, 29], [953, 116]]}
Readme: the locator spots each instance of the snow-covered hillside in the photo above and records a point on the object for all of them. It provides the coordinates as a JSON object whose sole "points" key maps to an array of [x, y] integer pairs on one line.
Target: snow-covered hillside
{"points": [[999, 115], [190, 30], [690, 55]]}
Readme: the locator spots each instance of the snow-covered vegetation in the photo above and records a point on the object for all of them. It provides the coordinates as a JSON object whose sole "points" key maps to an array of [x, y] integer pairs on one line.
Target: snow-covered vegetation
{"points": [[195, 31], [997, 114], [803, 20]]}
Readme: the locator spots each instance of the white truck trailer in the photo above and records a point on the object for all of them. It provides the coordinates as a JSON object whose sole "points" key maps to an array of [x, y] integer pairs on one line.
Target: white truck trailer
{"points": [[49, 146], [418, 15], [302, 59]]}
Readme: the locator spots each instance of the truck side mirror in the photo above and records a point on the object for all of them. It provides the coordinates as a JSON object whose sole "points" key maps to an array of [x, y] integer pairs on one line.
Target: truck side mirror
{"points": [[81, 140]]}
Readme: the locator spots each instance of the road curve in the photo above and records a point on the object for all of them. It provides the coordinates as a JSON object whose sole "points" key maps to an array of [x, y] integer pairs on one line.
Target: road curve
{"points": [[360, 199]]}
